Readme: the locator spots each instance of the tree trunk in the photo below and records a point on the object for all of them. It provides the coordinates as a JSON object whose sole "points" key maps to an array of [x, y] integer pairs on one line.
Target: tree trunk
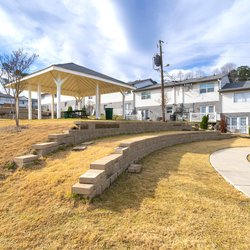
{"points": [[17, 111]]}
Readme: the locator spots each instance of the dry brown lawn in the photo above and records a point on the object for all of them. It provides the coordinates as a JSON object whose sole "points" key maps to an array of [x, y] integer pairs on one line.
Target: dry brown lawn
{"points": [[18, 143], [178, 202]]}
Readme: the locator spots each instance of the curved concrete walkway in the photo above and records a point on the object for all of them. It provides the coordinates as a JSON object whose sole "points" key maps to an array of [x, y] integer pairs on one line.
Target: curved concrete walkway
{"points": [[233, 165]]}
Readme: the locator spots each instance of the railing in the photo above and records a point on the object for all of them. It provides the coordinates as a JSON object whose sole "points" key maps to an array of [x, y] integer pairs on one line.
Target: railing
{"points": [[238, 129], [197, 117]]}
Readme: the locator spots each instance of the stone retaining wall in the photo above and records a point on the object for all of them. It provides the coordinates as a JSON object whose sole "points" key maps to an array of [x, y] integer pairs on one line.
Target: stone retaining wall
{"points": [[86, 131], [103, 172]]}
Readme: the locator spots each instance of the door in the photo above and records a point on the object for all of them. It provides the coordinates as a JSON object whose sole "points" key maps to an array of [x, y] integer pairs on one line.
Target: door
{"points": [[238, 125]]}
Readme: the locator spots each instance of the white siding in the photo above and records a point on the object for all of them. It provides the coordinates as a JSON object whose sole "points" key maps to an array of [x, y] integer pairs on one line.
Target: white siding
{"points": [[191, 95], [229, 106], [115, 97]]}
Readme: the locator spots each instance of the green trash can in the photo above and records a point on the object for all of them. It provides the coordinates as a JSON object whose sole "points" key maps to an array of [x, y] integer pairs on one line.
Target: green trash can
{"points": [[109, 113]]}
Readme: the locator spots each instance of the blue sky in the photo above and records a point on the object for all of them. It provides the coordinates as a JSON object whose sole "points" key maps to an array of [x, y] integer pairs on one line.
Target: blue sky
{"points": [[119, 37]]}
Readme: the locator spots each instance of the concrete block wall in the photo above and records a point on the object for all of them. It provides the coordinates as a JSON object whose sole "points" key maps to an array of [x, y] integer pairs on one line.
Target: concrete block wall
{"points": [[103, 172], [92, 130], [86, 131]]}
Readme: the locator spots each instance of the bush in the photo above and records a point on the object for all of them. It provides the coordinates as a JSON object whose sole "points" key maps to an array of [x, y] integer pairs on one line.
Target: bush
{"points": [[70, 109], [84, 112], [204, 122], [223, 125], [249, 130]]}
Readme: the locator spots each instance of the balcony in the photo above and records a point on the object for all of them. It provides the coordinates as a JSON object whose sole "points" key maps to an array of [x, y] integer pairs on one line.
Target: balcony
{"points": [[197, 117]]}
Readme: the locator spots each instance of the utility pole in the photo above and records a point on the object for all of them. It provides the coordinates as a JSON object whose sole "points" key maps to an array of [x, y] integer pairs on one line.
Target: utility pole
{"points": [[162, 84]]}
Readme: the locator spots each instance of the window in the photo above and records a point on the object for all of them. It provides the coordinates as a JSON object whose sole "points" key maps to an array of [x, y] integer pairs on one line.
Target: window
{"points": [[128, 106], [169, 110], [203, 109], [90, 97], [234, 121], [242, 97], [206, 88], [145, 95], [243, 121], [210, 109]]}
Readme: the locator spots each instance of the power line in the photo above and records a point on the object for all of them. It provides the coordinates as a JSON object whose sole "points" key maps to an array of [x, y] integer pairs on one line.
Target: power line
{"points": [[222, 43]]}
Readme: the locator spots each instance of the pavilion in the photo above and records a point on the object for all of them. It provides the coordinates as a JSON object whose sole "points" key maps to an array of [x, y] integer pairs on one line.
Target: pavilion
{"points": [[72, 80]]}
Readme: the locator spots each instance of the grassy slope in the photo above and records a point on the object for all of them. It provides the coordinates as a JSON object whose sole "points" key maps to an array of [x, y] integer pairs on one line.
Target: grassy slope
{"points": [[178, 201], [18, 143]]}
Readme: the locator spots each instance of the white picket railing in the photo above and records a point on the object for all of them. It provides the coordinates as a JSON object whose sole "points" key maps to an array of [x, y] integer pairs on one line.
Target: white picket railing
{"points": [[238, 129], [197, 117]]}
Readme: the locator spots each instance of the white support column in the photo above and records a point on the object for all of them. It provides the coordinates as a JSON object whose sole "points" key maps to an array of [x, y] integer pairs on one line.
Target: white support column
{"points": [[58, 93], [39, 114], [30, 105], [183, 94], [99, 105], [79, 103], [97, 102], [123, 105], [52, 106], [133, 101]]}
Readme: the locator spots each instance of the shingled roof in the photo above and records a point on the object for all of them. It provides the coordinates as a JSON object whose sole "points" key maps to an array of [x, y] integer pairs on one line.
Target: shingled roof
{"points": [[84, 70], [188, 81], [237, 86]]}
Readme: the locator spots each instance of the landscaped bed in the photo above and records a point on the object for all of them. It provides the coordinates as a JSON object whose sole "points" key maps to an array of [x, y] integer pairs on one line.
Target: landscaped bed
{"points": [[178, 201]]}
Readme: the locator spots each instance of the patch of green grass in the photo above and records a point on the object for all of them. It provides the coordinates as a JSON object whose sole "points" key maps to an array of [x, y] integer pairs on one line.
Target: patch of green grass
{"points": [[10, 166]]}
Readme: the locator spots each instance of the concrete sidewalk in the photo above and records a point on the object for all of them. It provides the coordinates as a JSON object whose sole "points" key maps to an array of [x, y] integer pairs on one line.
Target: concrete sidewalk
{"points": [[233, 165]]}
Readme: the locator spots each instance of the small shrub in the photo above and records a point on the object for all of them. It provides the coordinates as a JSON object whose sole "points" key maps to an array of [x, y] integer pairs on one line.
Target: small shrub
{"points": [[84, 111], [10, 166], [223, 125], [249, 130], [70, 109], [204, 122]]}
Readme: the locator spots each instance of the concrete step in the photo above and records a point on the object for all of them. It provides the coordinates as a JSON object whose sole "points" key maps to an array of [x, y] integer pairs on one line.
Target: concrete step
{"points": [[121, 150], [84, 189], [45, 148], [105, 162], [79, 148], [92, 176], [25, 160], [44, 145]]}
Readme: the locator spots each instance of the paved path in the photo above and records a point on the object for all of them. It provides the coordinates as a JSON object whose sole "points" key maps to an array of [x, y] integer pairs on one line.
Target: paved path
{"points": [[233, 165]]}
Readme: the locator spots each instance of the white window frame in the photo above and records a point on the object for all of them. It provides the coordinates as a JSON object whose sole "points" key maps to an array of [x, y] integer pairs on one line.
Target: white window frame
{"points": [[241, 97], [237, 124], [145, 95], [169, 110], [207, 109], [210, 107], [206, 88]]}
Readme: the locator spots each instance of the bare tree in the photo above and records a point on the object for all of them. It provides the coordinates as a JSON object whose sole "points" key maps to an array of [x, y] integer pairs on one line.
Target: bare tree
{"points": [[14, 67], [217, 71], [3, 83], [180, 75], [189, 75], [226, 68], [199, 73]]}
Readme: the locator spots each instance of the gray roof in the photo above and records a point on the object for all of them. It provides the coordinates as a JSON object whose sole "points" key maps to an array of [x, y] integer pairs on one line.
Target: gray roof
{"points": [[236, 86], [81, 69], [5, 95], [143, 80], [188, 81]]}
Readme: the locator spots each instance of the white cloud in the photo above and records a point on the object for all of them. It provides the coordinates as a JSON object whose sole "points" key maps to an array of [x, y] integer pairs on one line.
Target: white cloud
{"points": [[94, 34], [208, 35]]}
